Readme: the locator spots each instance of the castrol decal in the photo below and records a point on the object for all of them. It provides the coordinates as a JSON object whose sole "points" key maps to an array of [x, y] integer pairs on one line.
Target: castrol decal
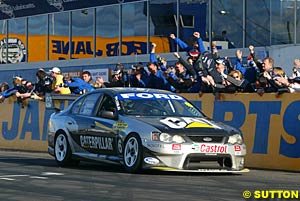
{"points": [[211, 148]]}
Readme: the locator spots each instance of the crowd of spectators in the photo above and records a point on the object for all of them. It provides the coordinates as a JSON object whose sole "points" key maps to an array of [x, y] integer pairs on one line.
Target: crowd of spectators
{"points": [[197, 71]]}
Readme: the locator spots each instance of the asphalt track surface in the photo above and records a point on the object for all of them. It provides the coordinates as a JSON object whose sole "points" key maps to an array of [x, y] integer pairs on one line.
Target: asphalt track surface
{"points": [[36, 177]]}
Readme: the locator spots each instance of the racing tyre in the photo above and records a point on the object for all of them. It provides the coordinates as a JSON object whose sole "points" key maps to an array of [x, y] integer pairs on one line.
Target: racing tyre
{"points": [[132, 154], [62, 150]]}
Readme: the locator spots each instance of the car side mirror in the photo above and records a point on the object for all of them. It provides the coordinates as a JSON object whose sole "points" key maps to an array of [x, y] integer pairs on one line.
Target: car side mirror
{"points": [[108, 115]]}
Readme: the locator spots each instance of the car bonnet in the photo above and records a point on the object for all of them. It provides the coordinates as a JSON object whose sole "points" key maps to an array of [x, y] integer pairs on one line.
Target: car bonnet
{"points": [[188, 125]]}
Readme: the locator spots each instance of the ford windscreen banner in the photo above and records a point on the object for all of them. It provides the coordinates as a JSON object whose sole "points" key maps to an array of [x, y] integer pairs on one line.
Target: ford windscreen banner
{"points": [[22, 8]]}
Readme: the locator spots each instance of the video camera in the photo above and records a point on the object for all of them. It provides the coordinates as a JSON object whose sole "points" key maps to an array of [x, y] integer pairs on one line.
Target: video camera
{"points": [[160, 60]]}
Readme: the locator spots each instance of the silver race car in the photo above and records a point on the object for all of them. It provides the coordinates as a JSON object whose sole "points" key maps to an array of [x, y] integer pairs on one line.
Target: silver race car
{"points": [[143, 128]]}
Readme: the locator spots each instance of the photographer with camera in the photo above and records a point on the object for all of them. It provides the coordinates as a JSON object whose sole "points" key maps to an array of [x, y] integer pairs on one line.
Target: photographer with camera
{"points": [[115, 81], [296, 68], [157, 72], [44, 82], [138, 76]]}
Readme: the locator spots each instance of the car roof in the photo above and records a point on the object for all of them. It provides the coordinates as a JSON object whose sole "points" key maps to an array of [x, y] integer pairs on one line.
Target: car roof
{"points": [[116, 90]]}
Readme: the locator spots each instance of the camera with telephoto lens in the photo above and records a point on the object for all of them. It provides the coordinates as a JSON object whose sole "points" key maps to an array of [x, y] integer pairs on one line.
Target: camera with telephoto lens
{"points": [[160, 60], [295, 70], [47, 81]]}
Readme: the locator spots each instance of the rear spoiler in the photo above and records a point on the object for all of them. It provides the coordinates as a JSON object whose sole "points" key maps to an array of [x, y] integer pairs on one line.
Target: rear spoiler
{"points": [[51, 98]]}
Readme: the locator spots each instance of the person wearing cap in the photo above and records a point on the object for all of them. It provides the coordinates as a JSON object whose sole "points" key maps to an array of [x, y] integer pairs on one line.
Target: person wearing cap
{"points": [[59, 82]]}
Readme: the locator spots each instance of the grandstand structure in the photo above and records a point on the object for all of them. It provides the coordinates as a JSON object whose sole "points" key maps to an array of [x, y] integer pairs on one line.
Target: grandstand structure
{"points": [[79, 35]]}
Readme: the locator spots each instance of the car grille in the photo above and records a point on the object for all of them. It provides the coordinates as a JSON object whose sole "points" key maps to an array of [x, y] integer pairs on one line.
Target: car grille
{"points": [[200, 161], [207, 139]]}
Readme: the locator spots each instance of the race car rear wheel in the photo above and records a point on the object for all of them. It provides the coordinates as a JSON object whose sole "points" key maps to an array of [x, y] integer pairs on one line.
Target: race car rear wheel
{"points": [[132, 154], [62, 150]]}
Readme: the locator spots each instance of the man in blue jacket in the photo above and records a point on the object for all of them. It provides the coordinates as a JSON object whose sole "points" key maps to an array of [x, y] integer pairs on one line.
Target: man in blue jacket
{"points": [[77, 85]]}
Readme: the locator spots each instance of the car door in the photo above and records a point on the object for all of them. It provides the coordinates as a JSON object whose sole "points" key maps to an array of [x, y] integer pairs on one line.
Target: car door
{"points": [[104, 136], [80, 120], [95, 132]]}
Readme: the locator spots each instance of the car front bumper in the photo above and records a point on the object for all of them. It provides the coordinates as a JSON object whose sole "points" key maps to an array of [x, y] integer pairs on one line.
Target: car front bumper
{"points": [[194, 156]]}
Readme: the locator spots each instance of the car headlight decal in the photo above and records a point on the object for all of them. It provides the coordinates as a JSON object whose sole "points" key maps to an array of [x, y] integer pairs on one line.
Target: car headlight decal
{"points": [[165, 137], [235, 139], [177, 139]]}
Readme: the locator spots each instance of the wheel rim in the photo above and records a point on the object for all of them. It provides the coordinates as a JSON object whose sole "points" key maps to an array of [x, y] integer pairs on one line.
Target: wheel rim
{"points": [[60, 147], [131, 152]]}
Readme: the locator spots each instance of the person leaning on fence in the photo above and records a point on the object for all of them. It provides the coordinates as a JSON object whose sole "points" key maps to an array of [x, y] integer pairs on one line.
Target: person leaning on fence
{"points": [[188, 78], [4, 86], [44, 82], [59, 87], [296, 68], [236, 82], [275, 80], [265, 77], [87, 77], [250, 71], [156, 78], [77, 85]]}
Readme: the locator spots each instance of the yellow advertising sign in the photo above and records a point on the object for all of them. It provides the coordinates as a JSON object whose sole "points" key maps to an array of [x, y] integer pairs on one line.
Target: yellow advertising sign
{"points": [[81, 47]]}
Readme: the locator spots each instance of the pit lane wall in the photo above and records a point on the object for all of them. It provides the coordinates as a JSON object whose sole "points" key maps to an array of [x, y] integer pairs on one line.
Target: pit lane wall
{"points": [[270, 125]]}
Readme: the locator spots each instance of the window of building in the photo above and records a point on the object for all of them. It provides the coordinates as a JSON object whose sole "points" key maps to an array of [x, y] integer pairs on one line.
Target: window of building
{"points": [[282, 22], [59, 36], [297, 19], [227, 17], [16, 40], [258, 23], [3, 30], [134, 29], [163, 15], [37, 38], [82, 33], [187, 21], [107, 31]]}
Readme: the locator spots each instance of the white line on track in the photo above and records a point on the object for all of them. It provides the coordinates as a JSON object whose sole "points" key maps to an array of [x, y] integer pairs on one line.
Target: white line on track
{"points": [[11, 177], [44, 176], [51, 173], [7, 179], [37, 177], [14, 175]]}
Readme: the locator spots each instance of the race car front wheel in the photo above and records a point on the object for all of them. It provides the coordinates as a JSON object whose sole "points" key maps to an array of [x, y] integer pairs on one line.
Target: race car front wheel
{"points": [[62, 150], [132, 154]]}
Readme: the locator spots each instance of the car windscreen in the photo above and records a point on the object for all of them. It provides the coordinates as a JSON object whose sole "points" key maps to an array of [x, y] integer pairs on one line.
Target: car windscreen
{"points": [[154, 104]]}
